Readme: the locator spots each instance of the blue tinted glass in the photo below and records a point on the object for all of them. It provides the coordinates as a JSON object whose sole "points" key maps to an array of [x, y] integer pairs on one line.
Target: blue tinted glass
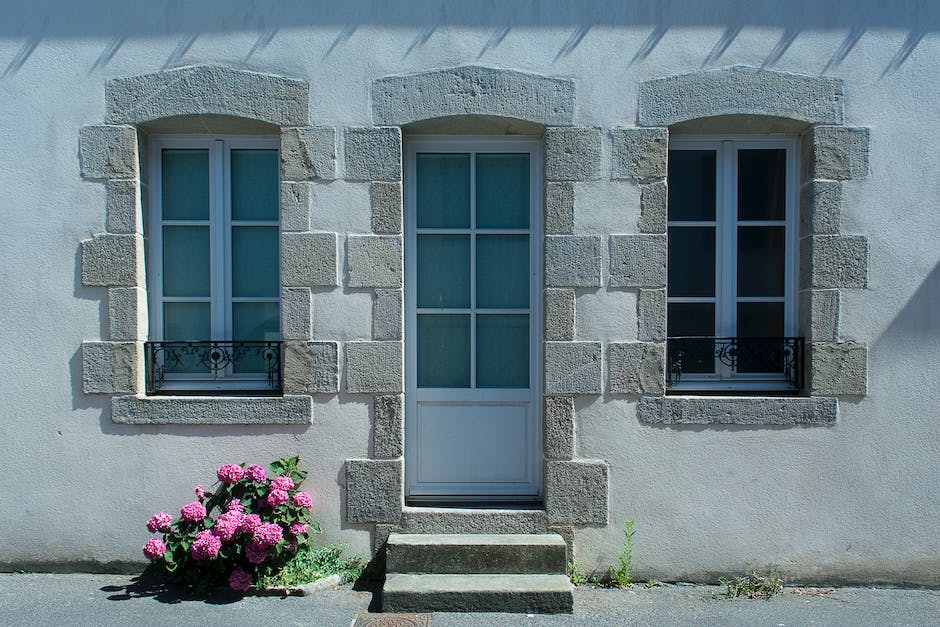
{"points": [[691, 261], [186, 261], [254, 185], [443, 196], [186, 322], [761, 260], [762, 176], [692, 184], [443, 351], [255, 322], [503, 351], [255, 261], [503, 271], [443, 270], [185, 185], [503, 191]]}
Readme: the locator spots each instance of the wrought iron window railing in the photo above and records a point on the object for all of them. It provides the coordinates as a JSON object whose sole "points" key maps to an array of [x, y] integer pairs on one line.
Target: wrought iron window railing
{"points": [[776, 362], [174, 367]]}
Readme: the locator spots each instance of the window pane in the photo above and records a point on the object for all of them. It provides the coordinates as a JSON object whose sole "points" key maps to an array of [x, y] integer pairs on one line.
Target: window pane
{"points": [[185, 185], [186, 261], [503, 191], [443, 197], [254, 185], [691, 261], [185, 322], [762, 176], [691, 355], [691, 185], [503, 271], [255, 322], [443, 351], [443, 270], [760, 260], [255, 261], [503, 351], [764, 320]]}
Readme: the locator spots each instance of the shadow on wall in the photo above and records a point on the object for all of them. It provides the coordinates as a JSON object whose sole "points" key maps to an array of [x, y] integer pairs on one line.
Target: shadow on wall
{"points": [[917, 326], [56, 19]]}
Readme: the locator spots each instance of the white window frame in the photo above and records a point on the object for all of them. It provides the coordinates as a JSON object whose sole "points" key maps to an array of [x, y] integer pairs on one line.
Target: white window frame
{"points": [[531, 489], [220, 246], [726, 223]]}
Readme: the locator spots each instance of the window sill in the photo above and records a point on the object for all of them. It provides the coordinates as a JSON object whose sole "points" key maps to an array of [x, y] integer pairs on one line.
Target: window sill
{"points": [[212, 410], [738, 410]]}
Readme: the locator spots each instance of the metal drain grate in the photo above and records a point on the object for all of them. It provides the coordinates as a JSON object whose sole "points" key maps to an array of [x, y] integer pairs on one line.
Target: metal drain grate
{"points": [[364, 619]]}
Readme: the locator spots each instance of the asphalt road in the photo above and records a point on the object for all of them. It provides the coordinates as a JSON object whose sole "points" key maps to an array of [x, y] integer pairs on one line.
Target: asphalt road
{"points": [[46, 599]]}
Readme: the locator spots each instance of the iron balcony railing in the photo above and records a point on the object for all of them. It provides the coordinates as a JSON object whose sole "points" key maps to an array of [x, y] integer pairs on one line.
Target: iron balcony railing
{"points": [[174, 367], [774, 360]]}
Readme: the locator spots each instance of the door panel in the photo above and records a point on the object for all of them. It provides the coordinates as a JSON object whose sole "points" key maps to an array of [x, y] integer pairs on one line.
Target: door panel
{"points": [[472, 421]]}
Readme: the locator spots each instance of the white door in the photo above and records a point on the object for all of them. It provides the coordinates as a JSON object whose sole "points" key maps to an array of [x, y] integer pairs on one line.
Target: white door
{"points": [[472, 424]]}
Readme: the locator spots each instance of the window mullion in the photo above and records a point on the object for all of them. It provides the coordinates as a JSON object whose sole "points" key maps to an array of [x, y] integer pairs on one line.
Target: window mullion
{"points": [[217, 232], [473, 270], [728, 211]]}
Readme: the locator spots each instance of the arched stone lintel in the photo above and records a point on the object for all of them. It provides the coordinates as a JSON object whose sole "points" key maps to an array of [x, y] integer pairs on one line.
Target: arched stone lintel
{"points": [[472, 91], [207, 90], [740, 90]]}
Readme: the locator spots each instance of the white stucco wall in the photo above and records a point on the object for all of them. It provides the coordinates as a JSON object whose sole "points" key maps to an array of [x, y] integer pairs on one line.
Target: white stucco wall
{"points": [[856, 501]]}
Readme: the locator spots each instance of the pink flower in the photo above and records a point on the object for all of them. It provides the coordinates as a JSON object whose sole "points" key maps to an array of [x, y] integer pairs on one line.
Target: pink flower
{"points": [[239, 580], [228, 525], [276, 497], [249, 523], [302, 499], [159, 522], [234, 506], [267, 534], [205, 546], [154, 548], [230, 473], [194, 512], [282, 483], [256, 552], [256, 473], [299, 529], [200, 492]]}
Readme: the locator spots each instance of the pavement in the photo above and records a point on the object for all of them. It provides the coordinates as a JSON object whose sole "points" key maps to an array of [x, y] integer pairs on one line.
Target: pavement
{"points": [[80, 599]]}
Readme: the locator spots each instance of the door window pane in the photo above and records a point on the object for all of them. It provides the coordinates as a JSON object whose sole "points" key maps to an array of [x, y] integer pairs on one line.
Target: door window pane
{"points": [[691, 319], [760, 320], [443, 345], [691, 261], [443, 270], [186, 261], [254, 185], [255, 261], [443, 183], [762, 184], [185, 185], [761, 260], [691, 185], [502, 191], [502, 351], [503, 271]]}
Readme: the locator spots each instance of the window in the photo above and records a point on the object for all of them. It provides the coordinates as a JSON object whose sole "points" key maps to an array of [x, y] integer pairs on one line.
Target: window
{"points": [[732, 265], [214, 264]]}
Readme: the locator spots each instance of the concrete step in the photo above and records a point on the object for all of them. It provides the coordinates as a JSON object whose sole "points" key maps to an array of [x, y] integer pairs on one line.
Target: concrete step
{"points": [[546, 594], [479, 554]]}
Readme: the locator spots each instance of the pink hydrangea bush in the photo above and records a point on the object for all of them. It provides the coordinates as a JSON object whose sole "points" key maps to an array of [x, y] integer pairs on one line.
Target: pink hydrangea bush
{"points": [[244, 530]]}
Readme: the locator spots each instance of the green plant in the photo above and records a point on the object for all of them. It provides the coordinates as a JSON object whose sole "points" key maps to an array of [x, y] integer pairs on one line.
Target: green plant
{"points": [[620, 576], [245, 531], [310, 563], [653, 583], [576, 573], [753, 585]]}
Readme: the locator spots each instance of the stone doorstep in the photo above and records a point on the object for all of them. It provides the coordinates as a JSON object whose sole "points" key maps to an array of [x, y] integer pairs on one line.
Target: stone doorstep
{"points": [[548, 594], [476, 553]]}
